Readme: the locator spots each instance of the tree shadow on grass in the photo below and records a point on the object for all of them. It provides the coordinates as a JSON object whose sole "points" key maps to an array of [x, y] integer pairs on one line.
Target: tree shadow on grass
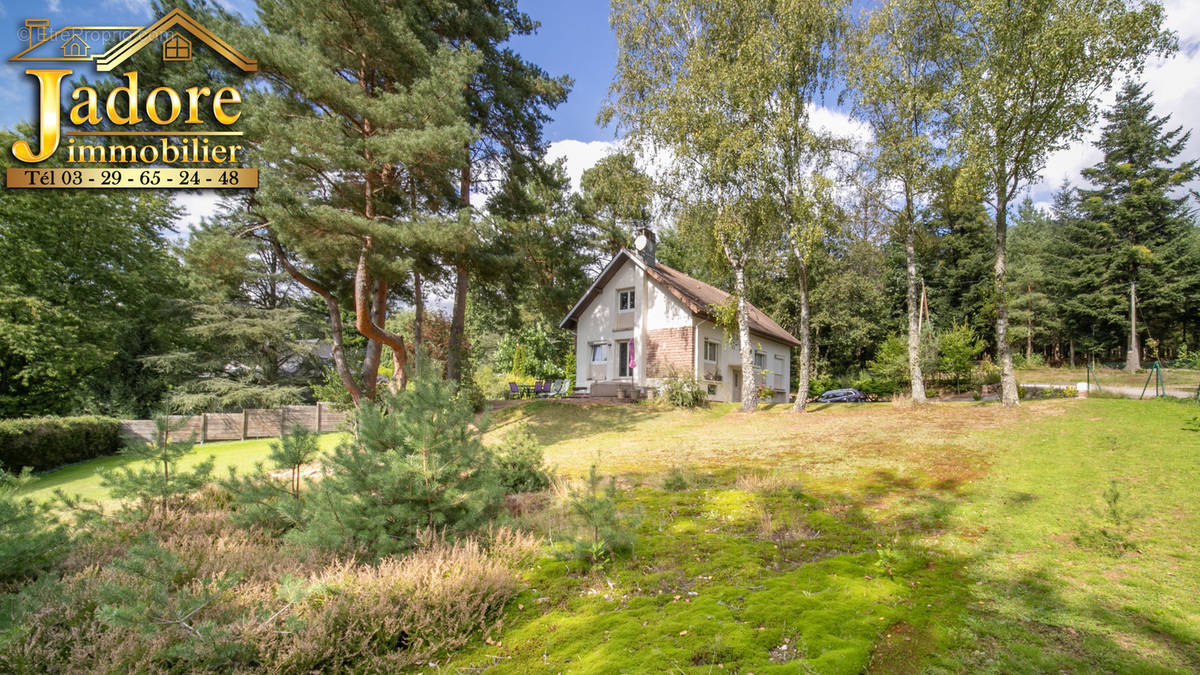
{"points": [[1052, 631]]}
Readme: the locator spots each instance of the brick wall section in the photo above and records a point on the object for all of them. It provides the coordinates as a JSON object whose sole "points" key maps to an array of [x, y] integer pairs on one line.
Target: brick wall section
{"points": [[667, 349]]}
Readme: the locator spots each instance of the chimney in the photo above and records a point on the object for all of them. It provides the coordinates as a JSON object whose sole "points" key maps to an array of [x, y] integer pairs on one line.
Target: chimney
{"points": [[36, 29], [646, 244]]}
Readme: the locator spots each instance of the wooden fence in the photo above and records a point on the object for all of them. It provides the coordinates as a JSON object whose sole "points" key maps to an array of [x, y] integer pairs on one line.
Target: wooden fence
{"points": [[250, 423]]}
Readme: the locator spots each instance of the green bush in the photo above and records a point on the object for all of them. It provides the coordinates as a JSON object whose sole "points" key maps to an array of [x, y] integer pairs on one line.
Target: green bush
{"points": [[1031, 363], [418, 462], [273, 499], [520, 464], [959, 349], [682, 391], [43, 443]]}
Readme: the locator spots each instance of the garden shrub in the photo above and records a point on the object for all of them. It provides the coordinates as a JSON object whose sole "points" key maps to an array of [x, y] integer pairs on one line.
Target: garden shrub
{"points": [[30, 538], [959, 349], [676, 480], [418, 462], [1111, 535], [403, 611], [520, 464], [1034, 361], [194, 593], [44, 443], [682, 391]]}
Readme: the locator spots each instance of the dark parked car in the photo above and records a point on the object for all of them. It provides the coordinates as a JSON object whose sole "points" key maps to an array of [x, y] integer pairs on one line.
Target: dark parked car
{"points": [[842, 396]]}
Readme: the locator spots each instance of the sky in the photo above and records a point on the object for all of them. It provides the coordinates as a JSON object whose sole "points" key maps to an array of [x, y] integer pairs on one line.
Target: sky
{"points": [[575, 40]]}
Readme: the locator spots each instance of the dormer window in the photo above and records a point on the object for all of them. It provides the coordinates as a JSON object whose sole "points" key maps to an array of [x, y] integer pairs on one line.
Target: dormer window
{"points": [[625, 300]]}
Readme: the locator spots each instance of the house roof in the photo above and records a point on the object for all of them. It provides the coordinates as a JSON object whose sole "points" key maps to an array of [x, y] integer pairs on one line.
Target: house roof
{"points": [[696, 295]]}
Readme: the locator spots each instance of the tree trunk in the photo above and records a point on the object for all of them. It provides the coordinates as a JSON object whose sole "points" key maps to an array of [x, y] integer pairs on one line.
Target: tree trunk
{"points": [[749, 390], [914, 318], [418, 317], [805, 341], [1133, 358], [457, 350], [456, 354], [335, 322], [1008, 379], [1029, 323], [370, 314]]}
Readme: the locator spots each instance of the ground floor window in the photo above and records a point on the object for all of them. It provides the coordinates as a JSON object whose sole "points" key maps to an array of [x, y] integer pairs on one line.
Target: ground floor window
{"points": [[600, 353], [623, 360]]}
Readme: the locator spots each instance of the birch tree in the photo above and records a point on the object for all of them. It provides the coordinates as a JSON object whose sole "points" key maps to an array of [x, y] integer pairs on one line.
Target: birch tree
{"points": [[895, 68], [727, 87], [1029, 73]]}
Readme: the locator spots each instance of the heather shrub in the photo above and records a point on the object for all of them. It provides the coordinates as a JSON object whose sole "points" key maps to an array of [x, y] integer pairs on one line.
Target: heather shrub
{"points": [[404, 610], [193, 592]]}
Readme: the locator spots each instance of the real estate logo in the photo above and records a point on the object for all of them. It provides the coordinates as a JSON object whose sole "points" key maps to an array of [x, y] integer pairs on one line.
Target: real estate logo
{"points": [[116, 131]]}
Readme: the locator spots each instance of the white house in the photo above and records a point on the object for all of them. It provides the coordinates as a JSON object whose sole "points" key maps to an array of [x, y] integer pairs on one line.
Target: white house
{"points": [[641, 321]]}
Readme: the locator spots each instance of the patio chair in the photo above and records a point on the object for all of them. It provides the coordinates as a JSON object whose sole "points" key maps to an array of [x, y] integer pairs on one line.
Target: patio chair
{"points": [[513, 390], [537, 388], [555, 389]]}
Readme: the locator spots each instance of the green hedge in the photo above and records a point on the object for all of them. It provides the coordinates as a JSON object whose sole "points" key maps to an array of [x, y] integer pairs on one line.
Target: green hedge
{"points": [[49, 442]]}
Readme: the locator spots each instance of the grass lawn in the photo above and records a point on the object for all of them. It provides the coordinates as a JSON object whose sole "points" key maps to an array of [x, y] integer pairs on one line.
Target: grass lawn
{"points": [[83, 478], [961, 538]]}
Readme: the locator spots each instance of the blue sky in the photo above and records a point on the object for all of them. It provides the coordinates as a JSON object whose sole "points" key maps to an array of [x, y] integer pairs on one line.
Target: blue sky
{"points": [[575, 39]]}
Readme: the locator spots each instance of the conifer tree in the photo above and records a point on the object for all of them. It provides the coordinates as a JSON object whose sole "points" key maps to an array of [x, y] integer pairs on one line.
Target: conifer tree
{"points": [[1027, 75], [1143, 239], [156, 479], [417, 463]]}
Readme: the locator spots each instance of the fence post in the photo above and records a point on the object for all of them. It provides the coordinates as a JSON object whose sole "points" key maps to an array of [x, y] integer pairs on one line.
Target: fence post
{"points": [[318, 417], [245, 422], [282, 421], [203, 427]]}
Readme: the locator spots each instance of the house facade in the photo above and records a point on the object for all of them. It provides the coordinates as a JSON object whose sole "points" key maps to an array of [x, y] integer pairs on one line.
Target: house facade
{"points": [[642, 321]]}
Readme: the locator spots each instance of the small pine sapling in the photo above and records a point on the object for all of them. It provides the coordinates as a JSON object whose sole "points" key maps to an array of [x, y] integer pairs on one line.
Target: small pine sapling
{"points": [[268, 499], [609, 532], [162, 482], [30, 538]]}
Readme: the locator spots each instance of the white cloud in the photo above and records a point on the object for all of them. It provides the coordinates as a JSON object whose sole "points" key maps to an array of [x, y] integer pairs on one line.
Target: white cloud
{"points": [[54, 6], [580, 155], [196, 206], [1171, 84]]}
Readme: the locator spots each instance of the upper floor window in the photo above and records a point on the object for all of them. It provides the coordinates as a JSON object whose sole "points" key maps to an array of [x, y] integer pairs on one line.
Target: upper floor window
{"points": [[760, 360], [625, 300], [711, 349]]}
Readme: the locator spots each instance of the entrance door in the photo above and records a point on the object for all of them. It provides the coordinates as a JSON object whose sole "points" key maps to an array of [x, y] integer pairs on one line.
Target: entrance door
{"points": [[736, 394], [623, 369]]}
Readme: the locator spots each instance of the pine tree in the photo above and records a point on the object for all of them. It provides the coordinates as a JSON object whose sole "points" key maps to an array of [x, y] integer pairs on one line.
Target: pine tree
{"points": [[1136, 228], [156, 479], [417, 463]]}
